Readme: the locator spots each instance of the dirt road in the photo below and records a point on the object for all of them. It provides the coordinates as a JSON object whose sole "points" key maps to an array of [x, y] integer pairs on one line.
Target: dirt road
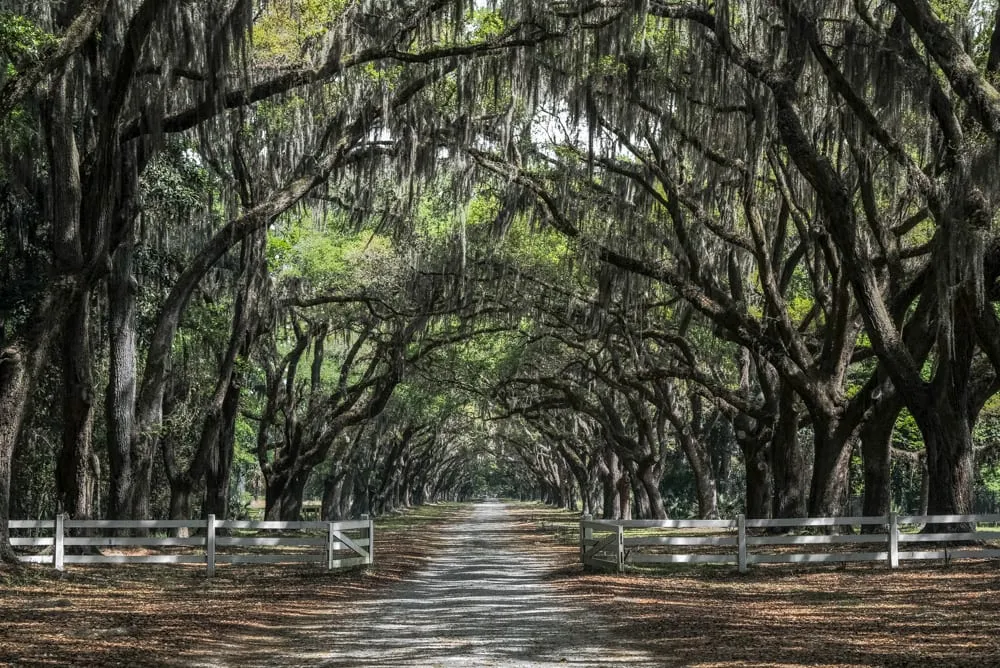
{"points": [[480, 601]]}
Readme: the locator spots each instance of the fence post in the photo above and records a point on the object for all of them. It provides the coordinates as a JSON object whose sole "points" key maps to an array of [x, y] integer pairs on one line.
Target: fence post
{"points": [[371, 539], [893, 541], [210, 546], [741, 542], [621, 548], [329, 546], [58, 543], [585, 535]]}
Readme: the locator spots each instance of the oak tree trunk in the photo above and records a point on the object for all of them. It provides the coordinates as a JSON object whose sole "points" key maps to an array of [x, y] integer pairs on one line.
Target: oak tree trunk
{"points": [[610, 474], [758, 479], [788, 461], [948, 439], [876, 442], [13, 398], [220, 461], [623, 494], [831, 465], [283, 497], [650, 474], [74, 471], [119, 404], [20, 364]]}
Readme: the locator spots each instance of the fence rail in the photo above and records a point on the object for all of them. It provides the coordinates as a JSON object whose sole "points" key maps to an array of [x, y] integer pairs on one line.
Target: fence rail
{"points": [[615, 543], [343, 544]]}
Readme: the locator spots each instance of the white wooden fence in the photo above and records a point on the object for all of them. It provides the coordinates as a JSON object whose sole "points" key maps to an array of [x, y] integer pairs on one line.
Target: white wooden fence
{"points": [[612, 544], [332, 544]]}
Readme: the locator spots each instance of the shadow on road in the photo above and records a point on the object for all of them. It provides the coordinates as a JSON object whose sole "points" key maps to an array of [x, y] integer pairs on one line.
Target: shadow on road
{"points": [[479, 602]]}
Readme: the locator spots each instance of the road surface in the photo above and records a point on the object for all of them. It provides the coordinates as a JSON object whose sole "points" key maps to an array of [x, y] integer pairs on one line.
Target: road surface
{"points": [[480, 601]]}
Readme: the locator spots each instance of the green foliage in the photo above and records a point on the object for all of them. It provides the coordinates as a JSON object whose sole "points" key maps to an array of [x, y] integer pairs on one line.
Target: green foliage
{"points": [[18, 131], [425, 403], [952, 11], [206, 323], [177, 180], [276, 117], [906, 435], [437, 217], [245, 473], [286, 30], [21, 43], [486, 25], [990, 479], [543, 250], [384, 75], [331, 258], [986, 436], [608, 66], [311, 252], [663, 37], [484, 358]]}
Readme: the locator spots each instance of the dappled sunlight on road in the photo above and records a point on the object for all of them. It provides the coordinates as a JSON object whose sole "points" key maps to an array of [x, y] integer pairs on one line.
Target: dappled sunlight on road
{"points": [[479, 602]]}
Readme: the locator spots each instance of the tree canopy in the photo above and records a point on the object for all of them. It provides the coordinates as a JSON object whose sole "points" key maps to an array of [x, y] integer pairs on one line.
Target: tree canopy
{"points": [[654, 258]]}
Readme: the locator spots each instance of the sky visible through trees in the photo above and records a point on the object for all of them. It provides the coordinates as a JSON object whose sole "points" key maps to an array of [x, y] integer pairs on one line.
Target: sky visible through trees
{"points": [[641, 258]]}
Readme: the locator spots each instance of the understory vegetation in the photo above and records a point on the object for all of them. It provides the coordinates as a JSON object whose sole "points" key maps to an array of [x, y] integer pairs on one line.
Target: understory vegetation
{"points": [[639, 259]]}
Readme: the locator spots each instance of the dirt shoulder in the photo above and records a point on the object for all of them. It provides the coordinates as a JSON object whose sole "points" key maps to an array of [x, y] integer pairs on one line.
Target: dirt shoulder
{"points": [[156, 615], [862, 615]]}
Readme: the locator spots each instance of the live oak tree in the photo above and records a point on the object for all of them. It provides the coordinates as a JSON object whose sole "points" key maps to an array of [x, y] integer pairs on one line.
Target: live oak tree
{"points": [[708, 131], [98, 99], [632, 239]]}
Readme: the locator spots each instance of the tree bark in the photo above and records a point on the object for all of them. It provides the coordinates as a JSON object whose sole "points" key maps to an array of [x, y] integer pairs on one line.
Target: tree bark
{"points": [[142, 468], [757, 495], [623, 494], [876, 448], [283, 498], [14, 387], [333, 485], [925, 487], [704, 480], [649, 474], [346, 499], [581, 473], [20, 365], [149, 402], [699, 460], [946, 417], [787, 461], [831, 465], [74, 486], [948, 440], [120, 396], [690, 433], [609, 482], [181, 490], [220, 461]]}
